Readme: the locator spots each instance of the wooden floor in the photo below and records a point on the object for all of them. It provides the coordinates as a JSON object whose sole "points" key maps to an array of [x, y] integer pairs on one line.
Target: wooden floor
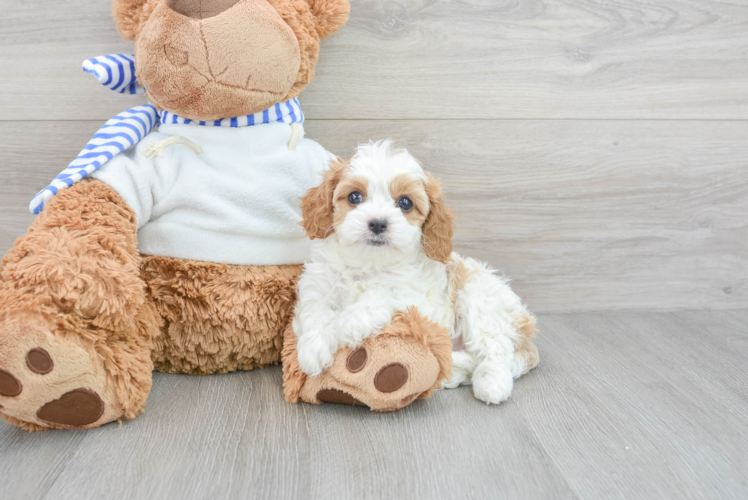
{"points": [[623, 405], [595, 150]]}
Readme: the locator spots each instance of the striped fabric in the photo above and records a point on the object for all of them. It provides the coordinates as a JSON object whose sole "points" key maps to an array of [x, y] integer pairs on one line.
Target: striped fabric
{"points": [[284, 112], [119, 133], [116, 72]]}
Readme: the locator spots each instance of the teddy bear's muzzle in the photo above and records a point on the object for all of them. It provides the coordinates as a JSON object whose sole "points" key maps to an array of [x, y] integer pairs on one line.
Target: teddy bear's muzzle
{"points": [[227, 58], [201, 9]]}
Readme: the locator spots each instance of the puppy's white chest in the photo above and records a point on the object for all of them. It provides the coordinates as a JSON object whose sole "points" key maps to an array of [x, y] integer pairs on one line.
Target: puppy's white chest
{"points": [[358, 284], [384, 283]]}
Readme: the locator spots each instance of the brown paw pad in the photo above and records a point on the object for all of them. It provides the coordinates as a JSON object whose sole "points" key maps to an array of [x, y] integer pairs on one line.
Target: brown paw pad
{"points": [[39, 361], [338, 397], [10, 386], [356, 360], [391, 377], [76, 408]]}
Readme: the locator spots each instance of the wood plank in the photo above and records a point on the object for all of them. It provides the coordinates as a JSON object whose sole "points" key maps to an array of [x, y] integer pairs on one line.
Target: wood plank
{"points": [[225, 436], [31, 463], [423, 59], [623, 405], [234, 437], [643, 405], [483, 456], [583, 215]]}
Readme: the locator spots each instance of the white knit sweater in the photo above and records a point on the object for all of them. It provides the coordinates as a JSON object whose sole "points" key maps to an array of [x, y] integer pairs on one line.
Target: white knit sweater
{"points": [[236, 202]]}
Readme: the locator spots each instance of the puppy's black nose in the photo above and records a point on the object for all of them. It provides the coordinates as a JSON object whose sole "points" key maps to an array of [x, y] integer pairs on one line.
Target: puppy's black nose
{"points": [[377, 226]]}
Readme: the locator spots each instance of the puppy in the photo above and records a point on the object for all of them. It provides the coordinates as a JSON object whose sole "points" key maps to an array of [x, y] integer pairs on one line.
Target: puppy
{"points": [[383, 242]]}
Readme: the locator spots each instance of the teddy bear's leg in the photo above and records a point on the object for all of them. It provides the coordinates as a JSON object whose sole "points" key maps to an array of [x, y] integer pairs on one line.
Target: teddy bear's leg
{"points": [[408, 359], [75, 321], [218, 317]]}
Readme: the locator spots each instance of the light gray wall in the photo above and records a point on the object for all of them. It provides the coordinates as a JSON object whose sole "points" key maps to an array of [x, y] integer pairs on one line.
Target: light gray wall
{"points": [[596, 152]]}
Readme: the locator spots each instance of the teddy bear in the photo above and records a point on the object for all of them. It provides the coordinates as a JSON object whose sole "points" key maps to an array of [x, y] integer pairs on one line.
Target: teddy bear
{"points": [[173, 241]]}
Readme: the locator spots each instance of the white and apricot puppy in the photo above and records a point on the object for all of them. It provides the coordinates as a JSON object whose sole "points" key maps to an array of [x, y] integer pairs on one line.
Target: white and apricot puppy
{"points": [[382, 243]]}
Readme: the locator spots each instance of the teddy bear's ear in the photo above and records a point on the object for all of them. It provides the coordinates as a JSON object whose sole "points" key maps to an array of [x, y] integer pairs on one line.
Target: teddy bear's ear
{"points": [[131, 15], [330, 15]]}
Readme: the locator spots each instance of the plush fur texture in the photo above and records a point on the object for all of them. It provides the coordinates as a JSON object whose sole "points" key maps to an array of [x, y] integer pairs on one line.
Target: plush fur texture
{"points": [[71, 287], [76, 287], [131, 15], [206, 73], [382, 244], [218, 318]]}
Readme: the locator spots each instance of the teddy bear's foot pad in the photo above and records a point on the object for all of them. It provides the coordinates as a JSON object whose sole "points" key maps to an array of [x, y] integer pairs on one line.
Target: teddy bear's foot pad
{"points": [[391, 377], [390, 370], [39, 361], [338, 397], [384, 374], [75, 408], [10, 386], [388, 379], [52, 381]]}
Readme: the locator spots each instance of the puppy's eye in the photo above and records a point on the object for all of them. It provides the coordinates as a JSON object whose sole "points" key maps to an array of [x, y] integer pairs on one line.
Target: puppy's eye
{"points": [[355, 198], [405, 204]]}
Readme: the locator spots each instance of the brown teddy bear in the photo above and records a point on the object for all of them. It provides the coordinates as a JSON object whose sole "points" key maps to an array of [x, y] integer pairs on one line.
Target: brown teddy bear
{"points": [[177, 246]]}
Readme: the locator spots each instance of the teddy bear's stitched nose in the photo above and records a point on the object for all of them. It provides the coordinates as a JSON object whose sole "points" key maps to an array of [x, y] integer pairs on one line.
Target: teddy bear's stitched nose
{"points": [[201, 9]]}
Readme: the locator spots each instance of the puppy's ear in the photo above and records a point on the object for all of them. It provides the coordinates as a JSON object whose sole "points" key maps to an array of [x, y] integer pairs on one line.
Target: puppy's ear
{"points": [[330, 15], [131, 15], [439, 225], [317, 203]]}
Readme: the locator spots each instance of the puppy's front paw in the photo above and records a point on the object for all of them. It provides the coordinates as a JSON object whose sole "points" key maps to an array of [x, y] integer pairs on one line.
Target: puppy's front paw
{"points": [[352, 329], [463, 366], [492, 383], [314, 354]]}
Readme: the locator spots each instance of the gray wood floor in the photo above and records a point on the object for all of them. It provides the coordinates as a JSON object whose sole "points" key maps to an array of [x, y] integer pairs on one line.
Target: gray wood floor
{"points": [[623, 405]]}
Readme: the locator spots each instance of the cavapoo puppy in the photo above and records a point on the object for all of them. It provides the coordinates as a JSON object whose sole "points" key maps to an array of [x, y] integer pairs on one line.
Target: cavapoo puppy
{"points": [[383, 243]]}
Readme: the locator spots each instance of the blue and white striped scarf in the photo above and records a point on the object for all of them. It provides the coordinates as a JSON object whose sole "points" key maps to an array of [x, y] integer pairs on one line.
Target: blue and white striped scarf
{"points": [[284, 112], [117, 73]]}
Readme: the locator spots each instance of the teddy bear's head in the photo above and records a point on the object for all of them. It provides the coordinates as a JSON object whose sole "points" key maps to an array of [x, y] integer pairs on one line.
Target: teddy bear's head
{"points": [[212, 59]]}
